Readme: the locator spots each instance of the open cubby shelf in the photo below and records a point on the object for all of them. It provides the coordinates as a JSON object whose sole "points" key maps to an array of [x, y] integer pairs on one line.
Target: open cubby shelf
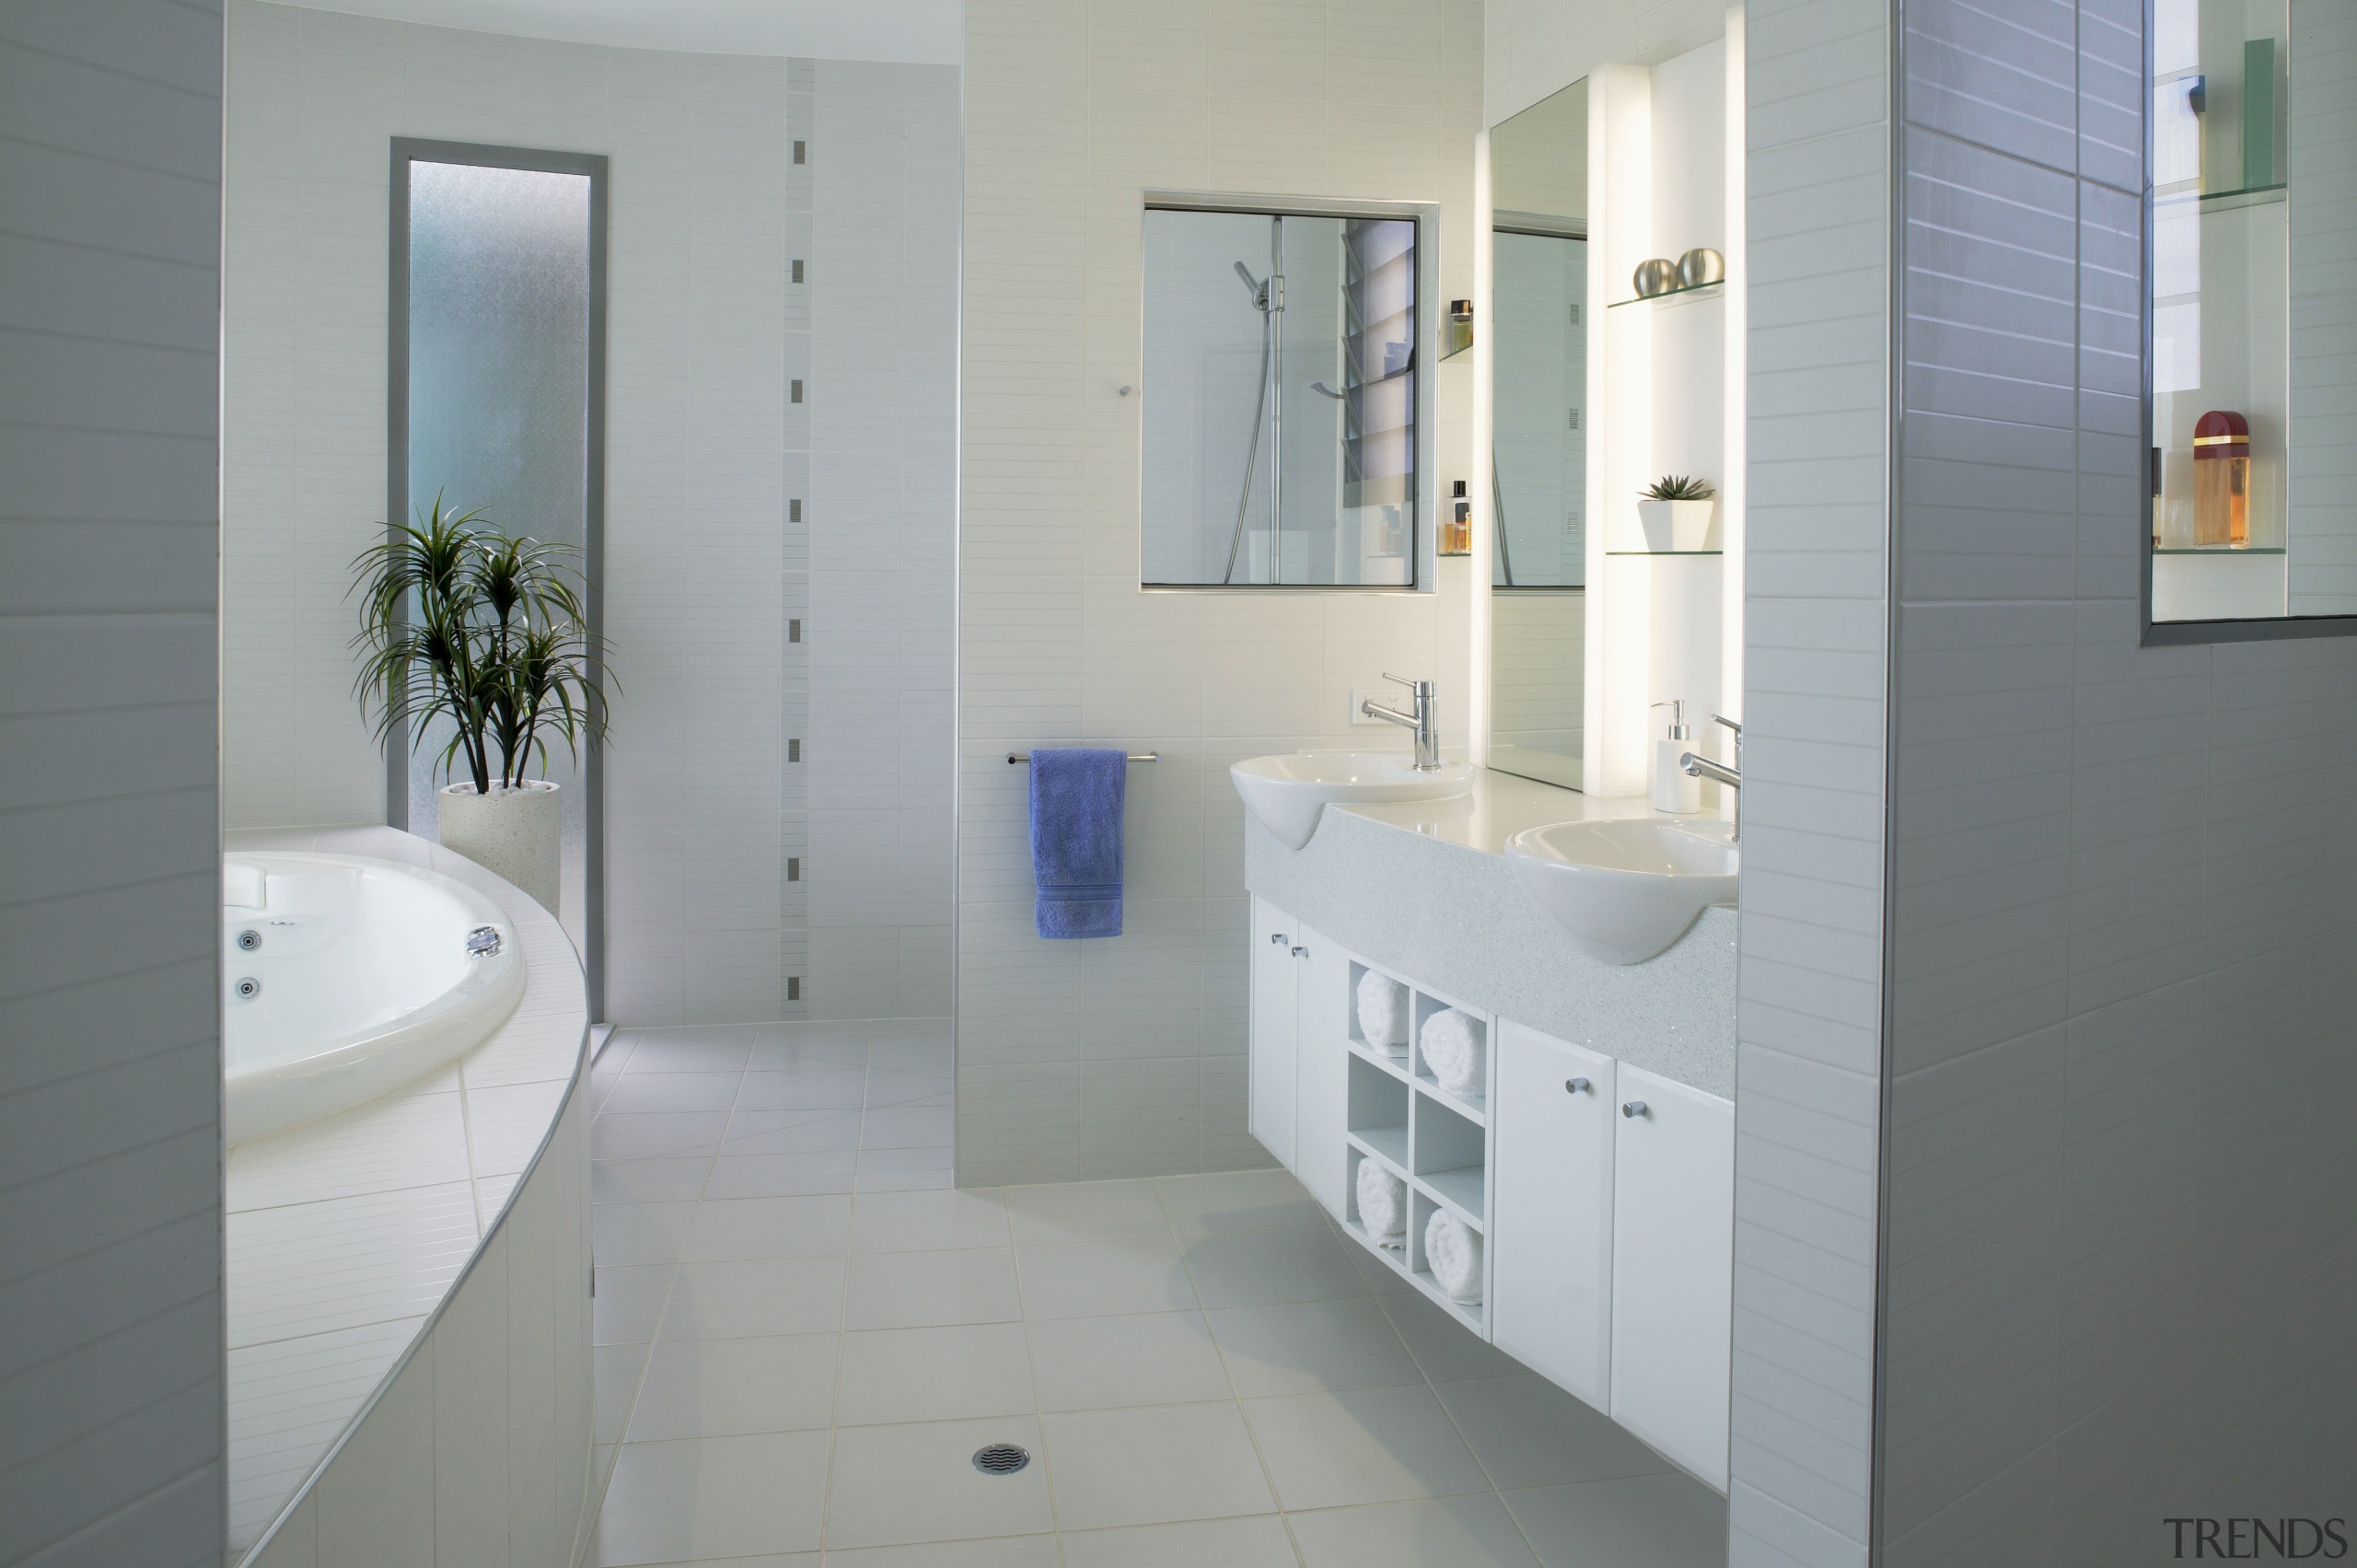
{"points": [[1432, 1139]]}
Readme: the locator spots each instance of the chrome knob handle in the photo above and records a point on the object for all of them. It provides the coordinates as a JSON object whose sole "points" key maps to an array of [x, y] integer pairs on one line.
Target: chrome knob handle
{"points": [[1633, 1107], [1574, 1086], [1277, 938], [1301, 952]]}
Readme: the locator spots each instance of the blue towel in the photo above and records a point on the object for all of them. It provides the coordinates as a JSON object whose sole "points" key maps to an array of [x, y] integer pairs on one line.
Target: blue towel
{"points": [[1077, 840]]}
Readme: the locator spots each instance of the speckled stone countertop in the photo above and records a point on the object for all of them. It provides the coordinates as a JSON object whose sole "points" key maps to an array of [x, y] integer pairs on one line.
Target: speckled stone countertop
{"points": [[1422, 889]]}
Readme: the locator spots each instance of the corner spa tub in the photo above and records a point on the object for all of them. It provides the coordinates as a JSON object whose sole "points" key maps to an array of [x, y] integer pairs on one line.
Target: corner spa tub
{"points": [[348, 977]]}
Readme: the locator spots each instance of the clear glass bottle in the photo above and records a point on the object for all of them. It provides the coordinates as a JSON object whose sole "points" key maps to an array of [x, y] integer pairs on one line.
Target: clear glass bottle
{"points": [[2222, 480]]}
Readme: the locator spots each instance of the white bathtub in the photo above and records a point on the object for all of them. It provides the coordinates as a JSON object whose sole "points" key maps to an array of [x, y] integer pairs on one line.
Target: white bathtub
{"points": [[348, 977]]}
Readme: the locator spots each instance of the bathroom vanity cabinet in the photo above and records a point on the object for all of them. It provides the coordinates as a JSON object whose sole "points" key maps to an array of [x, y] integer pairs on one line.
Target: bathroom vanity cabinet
{"points": [[1604, 1192]]}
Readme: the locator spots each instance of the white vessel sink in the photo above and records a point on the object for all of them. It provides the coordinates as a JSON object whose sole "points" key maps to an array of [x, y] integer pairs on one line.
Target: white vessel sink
{"points": [[1287, 794], [1625, 889]]}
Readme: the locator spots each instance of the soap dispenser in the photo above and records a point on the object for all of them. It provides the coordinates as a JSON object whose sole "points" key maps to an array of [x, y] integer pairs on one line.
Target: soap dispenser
{"points": [[1675, 789]]}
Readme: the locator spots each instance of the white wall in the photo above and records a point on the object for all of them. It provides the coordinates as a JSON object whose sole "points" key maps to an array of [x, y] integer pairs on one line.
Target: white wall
{"points": [[2122, 1191], [111, 1301], [1533, 47], [1126, 1056], [706, 453]]}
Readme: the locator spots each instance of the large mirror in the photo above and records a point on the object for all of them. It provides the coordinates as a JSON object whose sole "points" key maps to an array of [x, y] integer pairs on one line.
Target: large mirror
{"points": [[2253, 317], [1538, 457]]}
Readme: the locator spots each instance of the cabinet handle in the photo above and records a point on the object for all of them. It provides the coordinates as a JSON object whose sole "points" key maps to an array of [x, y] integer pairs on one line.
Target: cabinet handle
{"points": [[1301, 952], [1277, 938], [1634, 1107], [1574, 1086]]}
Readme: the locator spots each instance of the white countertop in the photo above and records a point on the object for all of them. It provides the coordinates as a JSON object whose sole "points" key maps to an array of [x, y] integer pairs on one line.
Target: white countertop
{"points": [[1502, 804]]}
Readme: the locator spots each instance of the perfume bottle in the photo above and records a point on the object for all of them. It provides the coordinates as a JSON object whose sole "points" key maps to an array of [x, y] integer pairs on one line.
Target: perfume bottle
{"points": [[1457, 531], [2222, 480]]}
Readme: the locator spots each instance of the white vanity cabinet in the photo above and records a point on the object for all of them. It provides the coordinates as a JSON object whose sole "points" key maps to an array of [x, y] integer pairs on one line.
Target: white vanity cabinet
{"points": [[1673, 1268], [1299, 1016], [1551, 1272], [1274, 1042]]}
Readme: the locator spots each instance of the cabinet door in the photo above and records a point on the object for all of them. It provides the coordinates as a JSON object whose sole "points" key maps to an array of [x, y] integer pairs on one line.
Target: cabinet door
{"points": [[1673, 1269], [1270, 1044], [1551, 1110], [1321, 1075]]}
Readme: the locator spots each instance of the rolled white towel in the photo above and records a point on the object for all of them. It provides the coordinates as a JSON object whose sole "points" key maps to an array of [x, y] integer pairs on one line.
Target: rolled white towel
{"points": [[1452, 1046], [1383, 1012], [1454, 1251], [1383, 1204]]}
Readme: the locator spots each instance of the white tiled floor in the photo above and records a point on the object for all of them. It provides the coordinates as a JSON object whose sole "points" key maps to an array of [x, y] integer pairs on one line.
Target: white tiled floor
{"points": [[805, 1333]]}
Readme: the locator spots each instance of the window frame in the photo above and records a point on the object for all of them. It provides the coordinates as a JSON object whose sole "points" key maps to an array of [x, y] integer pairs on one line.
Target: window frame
{"points": [[1422, 517]]}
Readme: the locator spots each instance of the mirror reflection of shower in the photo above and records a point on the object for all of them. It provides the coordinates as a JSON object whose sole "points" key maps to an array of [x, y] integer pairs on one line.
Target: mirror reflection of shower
{"points": [[1269, 300], [1279, 430]]}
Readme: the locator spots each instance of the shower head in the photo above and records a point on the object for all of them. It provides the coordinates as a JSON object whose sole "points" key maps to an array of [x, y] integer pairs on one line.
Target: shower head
{"points": [[1321, 387]]}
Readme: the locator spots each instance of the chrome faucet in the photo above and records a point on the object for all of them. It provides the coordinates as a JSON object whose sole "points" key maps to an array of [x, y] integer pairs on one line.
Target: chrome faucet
{"points": [[1424, 719], [1704, 768]]}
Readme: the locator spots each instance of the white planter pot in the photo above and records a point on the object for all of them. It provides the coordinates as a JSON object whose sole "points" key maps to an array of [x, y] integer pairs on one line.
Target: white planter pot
{"points": [[514, 833], [1677, 525]]}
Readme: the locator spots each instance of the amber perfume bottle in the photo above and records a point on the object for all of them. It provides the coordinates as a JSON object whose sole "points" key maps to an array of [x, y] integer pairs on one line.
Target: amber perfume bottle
{"points": [[2222, 480], [1457, 529]]}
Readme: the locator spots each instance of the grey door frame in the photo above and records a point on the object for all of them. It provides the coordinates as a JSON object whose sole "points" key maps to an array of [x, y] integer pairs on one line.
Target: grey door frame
{"points": [[407, 150]]}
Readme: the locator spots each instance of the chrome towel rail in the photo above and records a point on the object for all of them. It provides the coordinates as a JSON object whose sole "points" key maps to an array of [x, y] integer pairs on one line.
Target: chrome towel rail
{"points": [[1135, 755]]}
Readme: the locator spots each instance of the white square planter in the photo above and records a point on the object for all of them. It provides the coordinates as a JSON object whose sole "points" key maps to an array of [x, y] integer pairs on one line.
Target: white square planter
{"points": [[1677, 525]]}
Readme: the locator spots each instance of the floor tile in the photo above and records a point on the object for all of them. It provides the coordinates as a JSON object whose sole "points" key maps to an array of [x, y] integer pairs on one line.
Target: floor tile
{"points": [[640, 1233], [1092, 1279], [1085, 1210], [1444, 1347], [735, 1228], [673, 1091], [1659, 1521], [1256, 1542], [728, 1387], [908, 1127], [957, 1373], [1155, 1358], [627, 1303], [893, 1486], [762, 1296], [1236, 1200], [656, 1134], [890, 1085], [686, 1050], [809, 1089], [1381, 1278], [1527, 1432], [1004, 1551], [648, 1181], [829, 1046], [790, 1131], [714, 1497], [1261, 1266], [1154, 1465], [1463, 1532], [1362, 1446], [931, 1180], [1301, 1347], [923, 1290], [927, 1221], [782, 1176]]}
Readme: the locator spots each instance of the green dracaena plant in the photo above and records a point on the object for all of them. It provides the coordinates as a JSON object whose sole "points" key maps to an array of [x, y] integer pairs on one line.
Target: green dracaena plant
{"points": [[1677, 487], [462, 623]]}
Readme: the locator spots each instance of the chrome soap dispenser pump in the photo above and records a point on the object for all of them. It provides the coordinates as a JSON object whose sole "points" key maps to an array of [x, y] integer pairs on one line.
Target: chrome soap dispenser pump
{"points": [[1673, 789]]}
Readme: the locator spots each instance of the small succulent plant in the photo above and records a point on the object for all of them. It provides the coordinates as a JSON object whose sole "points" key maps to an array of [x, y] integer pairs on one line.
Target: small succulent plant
{"points": [[1677, 487]]}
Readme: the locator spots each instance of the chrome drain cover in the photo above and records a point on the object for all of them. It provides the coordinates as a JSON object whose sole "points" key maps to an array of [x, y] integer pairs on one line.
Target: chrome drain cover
{"points": [[1001, 1458]]}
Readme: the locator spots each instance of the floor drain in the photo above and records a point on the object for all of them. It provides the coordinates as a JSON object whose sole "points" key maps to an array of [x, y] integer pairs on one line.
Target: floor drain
{"points": [[1001, 1458]]}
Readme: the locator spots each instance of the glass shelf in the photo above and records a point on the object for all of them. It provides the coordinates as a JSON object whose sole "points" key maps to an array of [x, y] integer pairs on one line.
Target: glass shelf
{"points": [[2249, 196], [2218, 550], [1669, 294], [1665, 552]]}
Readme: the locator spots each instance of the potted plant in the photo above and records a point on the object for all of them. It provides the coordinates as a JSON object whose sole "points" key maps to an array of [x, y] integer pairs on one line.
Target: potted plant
{"points": [[463, 626], [1675, 512]]}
